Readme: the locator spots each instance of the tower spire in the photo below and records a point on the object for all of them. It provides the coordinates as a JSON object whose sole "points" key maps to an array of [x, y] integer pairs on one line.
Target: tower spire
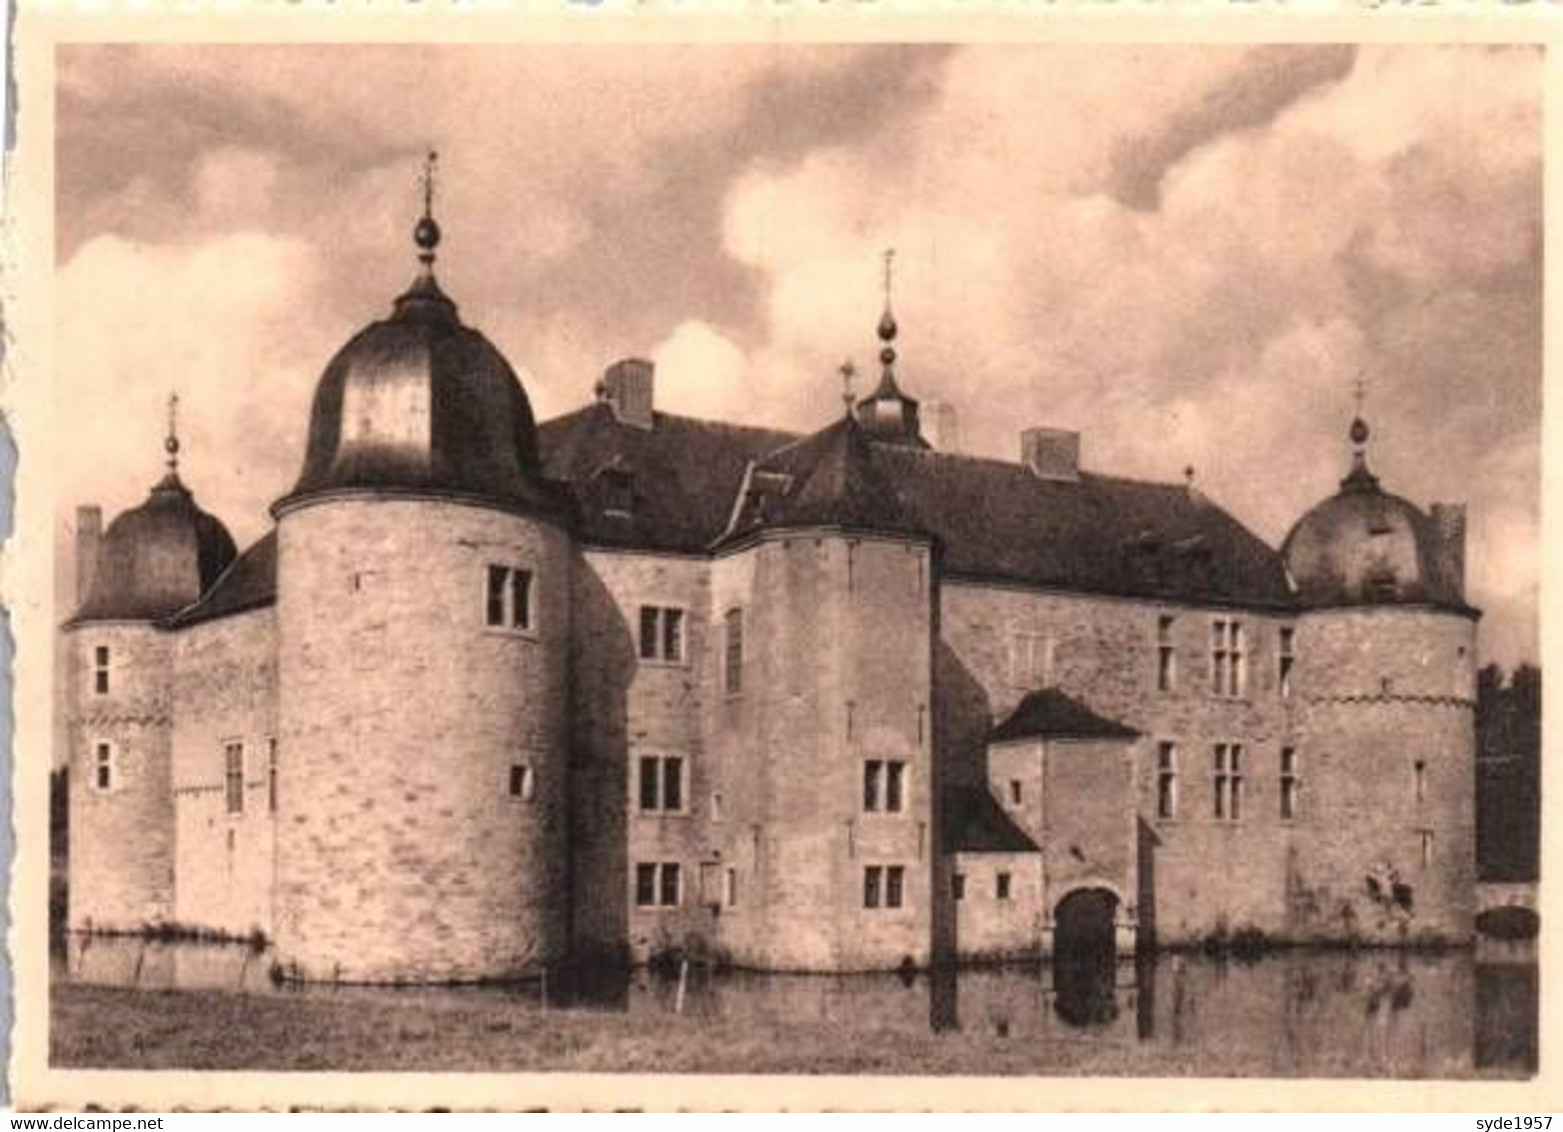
{"points": [[427, 233], [1359, 478], [171, 441]]}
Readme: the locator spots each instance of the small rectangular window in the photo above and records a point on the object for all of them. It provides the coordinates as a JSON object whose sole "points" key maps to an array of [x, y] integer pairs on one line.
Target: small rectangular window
{"points": [[1166, 780], [670, 892], [872, 769], [1001, 886], [103, 766], [1031, 659], [1419, 780], [1228, 658], [895, 774], [1290, 784], [958, 886], [1285, 661], [100, 670], [730, 888], [1166, 655], [233, 777], [507, 602], [498, 577], [523, 784], [660, 785], [895, 881], [1016, 791], [271, 775], [658, 885], [734, 626], [1228, 781], [661, 633], [871, 882], [646, 886]]}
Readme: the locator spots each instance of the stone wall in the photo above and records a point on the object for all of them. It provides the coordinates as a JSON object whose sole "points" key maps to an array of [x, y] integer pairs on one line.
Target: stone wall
{"points": [[402, 853], [989, 926], [1202, 874], [837, 671], [121, 855], [224, 691], [627, 708]]}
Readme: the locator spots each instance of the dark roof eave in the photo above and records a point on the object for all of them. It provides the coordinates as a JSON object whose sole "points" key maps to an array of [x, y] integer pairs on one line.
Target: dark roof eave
{"points": [[732, 544], [195, 615], [556, 511], [1224, 601], [1454, 609]]}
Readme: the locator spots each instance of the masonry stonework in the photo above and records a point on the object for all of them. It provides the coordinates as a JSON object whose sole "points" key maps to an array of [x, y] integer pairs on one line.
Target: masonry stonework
{"points": [[493, 696]]}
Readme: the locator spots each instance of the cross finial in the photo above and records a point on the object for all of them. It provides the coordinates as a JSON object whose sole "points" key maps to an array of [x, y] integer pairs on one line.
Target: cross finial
{"points": [[889, 274], [171, 442], [848, 371], [430, 162], [1360, 392], [427, 233]]}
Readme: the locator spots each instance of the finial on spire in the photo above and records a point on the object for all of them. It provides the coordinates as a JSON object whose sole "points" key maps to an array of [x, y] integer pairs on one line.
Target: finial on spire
{"points": [[1359, 427], [848, 372], [1359, 478], [887, 326], [171, 442], [427, 234]]}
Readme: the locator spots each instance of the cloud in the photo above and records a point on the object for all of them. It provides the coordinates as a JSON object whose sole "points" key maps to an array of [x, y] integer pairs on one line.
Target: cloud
{"points": [[1190, 253], [1197, 275]]}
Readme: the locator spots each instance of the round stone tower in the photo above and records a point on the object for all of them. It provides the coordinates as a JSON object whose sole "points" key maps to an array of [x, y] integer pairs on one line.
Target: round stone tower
{"points": [[423, 625], [153, 560], [1386, 746]]}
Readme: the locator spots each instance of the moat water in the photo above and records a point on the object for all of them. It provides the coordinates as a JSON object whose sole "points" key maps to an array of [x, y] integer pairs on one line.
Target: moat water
{"points": [[1465, 1013]]}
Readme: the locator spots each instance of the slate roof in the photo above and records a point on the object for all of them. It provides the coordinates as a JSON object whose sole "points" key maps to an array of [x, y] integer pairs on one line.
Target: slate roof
{"points": [[996, 521], [1102, 534], [682, 475], [249, 583], [676, 487], [830, 479], [974, 822], [1050, 714]]}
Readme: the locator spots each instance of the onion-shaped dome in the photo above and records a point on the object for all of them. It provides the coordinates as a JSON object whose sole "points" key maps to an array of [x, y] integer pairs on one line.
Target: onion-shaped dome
{"points": [[1365, 546], [419, 403], [157, 558], [887, 414]]}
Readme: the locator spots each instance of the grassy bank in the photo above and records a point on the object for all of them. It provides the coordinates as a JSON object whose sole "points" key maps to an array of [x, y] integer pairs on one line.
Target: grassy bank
{"points": [[109, 1028], [100, 1027]]}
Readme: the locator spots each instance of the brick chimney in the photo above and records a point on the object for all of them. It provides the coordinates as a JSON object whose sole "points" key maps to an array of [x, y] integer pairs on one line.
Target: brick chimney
{"points": [[1449, 520], [940, 426], [628, 387], [1051, 453], [89, 538]]}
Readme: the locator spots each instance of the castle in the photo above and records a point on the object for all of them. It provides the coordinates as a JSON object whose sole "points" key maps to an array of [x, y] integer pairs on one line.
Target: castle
{"points": [[493, 694]]}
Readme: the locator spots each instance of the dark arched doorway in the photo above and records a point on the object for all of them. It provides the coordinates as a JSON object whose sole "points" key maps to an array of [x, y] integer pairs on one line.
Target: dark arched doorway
{"points": [[1085, 957]]}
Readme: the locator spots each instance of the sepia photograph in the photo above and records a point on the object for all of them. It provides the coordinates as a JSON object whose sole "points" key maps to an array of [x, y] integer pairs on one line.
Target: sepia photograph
{"points": [[945, 559]]}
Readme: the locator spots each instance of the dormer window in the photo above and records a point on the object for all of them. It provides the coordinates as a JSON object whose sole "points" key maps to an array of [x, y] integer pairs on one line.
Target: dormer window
{"points": [[508, 600], [618, 491]]}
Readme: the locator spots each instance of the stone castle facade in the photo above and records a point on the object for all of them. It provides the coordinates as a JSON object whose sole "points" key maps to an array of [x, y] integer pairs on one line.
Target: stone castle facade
{"points": [[495, 695]]}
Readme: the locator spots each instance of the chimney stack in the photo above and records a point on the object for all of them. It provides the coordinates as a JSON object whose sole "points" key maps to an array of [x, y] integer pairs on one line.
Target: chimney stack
{"points": [[1449, 519], [628, 385], [1051, 453], [941, 428], [89, 537]]}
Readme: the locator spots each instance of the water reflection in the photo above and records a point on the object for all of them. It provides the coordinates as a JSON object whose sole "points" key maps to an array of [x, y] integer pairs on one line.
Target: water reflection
{"points": [[1304, 1013]]}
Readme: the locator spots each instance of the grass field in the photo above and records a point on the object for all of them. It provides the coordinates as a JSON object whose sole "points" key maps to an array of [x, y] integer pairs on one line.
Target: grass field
{"points": [[109, 1027]]}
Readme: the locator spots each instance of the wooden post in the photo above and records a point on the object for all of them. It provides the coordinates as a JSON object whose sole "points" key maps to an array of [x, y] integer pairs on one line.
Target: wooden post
{"points": [[683, 984]]}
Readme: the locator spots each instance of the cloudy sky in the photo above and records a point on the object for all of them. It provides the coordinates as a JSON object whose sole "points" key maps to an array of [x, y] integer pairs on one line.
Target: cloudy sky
{"points": [[1189, 254]]}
